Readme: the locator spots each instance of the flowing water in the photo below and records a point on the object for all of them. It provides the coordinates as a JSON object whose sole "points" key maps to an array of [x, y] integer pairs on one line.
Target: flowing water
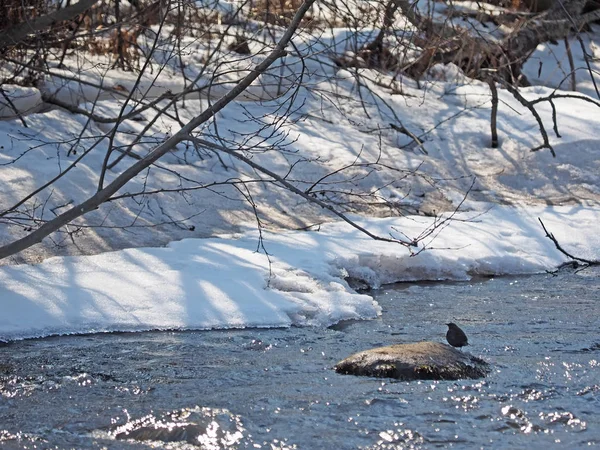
{"points": [[259, 388]]}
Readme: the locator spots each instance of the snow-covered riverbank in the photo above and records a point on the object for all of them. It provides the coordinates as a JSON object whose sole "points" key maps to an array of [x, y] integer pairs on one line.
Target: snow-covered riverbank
{"points": [[404, 159], [224, 282]]}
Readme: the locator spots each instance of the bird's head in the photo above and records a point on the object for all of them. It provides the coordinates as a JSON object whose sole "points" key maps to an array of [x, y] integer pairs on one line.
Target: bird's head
{"points": [[451, 324]]}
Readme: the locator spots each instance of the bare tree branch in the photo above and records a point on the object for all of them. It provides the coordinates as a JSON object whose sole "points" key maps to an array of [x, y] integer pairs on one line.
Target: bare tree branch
{"points": [[590, 262], [299, 192], [103, 195]]}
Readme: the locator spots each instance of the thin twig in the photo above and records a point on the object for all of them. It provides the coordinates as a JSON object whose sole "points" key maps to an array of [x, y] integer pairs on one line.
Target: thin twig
{"points": [[13, 107], [295, 190], [590, 262]]}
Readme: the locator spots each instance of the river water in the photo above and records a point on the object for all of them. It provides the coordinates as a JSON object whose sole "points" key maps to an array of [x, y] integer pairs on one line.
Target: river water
{"points": [[275, 388]]}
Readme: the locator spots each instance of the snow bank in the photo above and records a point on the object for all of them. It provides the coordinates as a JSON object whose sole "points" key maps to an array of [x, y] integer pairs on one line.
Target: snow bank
{"points": [[17, 100], [225, 282]]}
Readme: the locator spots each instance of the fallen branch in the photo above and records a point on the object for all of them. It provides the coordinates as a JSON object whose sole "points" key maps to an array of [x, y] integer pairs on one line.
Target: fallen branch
{"points": [[402, 129], [588, 262]]}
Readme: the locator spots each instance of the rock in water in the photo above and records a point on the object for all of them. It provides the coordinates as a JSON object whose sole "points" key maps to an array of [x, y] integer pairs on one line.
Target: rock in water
{"points": [[417, 361]]}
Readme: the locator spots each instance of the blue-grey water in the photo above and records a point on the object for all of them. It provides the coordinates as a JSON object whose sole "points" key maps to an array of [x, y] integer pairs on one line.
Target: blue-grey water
{"points": [[275, 389]]}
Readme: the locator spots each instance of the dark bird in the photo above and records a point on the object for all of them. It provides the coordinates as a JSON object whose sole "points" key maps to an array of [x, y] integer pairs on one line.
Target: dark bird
{"points": [[455, 336]]}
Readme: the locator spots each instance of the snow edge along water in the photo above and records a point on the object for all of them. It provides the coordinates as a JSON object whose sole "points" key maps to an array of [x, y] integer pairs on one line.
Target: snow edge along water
{"points": [[216, 283]]}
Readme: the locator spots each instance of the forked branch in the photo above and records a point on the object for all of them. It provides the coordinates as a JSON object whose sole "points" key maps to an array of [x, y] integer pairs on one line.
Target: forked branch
{"points": [[589, 262]]}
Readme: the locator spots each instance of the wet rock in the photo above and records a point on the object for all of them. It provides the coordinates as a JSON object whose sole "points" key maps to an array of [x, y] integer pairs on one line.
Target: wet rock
{"points": [[417, 361], [207, 427], [6, 369]]}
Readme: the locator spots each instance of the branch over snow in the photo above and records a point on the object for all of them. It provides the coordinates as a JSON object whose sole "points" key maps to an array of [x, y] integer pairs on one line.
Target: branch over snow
{"points": [[103, 195], [589, 262], [299, 192]]}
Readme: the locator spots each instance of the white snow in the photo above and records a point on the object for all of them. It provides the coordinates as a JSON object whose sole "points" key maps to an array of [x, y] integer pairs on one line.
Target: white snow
{"points": [[23, 100], [225, 282], [217, 271]]}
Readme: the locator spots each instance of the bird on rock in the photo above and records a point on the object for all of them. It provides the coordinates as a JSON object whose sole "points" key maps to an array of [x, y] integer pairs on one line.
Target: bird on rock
{"points": [[455, 336]]}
